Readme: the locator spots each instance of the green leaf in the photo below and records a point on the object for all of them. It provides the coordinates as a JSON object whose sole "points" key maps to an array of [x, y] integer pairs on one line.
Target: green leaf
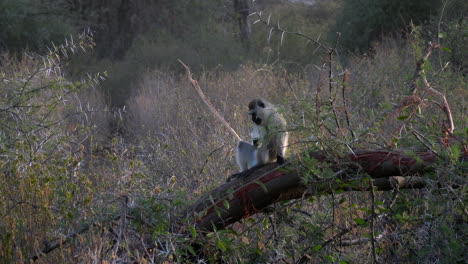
{"points": [[446, 49], [442, 35], [360, 222], [365, 210], [226, 204], [190, 249], [265, 223], [262, 185], [221, 245], [403, 117], [231, 193], [193, 231], [316, 248]]}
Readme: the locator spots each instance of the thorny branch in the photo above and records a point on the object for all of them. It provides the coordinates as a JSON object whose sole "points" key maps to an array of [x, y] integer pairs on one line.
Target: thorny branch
{"points": [[278, 28], [328, 50]]}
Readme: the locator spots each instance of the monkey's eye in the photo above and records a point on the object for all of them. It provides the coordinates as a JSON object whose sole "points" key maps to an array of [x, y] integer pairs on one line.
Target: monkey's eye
{"points": [[261, 104]]}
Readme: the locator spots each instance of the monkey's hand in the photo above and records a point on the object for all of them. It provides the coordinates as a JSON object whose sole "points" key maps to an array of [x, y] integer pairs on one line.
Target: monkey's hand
{"points": [[280, 160]]}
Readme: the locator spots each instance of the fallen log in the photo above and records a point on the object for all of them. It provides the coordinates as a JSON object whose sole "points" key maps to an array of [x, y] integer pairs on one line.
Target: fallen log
{"points": [[252, 191]]}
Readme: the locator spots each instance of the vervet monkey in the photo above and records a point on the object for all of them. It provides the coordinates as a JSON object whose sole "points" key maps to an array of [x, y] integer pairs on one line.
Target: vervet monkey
{"points": [[269, 137], [272, 145]]}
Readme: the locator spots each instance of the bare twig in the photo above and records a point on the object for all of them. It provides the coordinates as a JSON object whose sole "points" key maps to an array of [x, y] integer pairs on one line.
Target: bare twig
{"points": [[358, 241], [207, 102], [208, 158], [345, 102], [317, 95], [49, 247], [330, 82], [424, 141], [419, 73], [283, 32], [372, 227], [344, 231], [438, 28], [123, 223], [446, 106]]}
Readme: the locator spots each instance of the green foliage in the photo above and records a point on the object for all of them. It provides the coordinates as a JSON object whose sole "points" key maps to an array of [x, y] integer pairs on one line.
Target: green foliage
{"points": [[364, 21], [294, 52], [456, 33], [60, 166], [27, 24], [42, 187]]}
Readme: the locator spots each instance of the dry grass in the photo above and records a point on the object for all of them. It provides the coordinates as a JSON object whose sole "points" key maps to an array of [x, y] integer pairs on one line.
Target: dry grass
{"points": [[173, 150], [169, 120]]}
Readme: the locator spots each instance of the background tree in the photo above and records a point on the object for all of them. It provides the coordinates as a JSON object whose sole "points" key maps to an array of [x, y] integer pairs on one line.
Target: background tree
{"points": [[242, 11]]}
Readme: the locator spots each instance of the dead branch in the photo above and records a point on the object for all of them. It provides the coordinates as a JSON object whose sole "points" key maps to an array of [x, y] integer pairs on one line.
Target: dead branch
{"points": [[446, 106], [345, 101], [353, 242], [207, 102], [419, 73], [372, 218], [51, 246], [330, 89]]}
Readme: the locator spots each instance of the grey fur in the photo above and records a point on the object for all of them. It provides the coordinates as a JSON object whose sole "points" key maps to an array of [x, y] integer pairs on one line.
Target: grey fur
{"points": [[245, 155]]}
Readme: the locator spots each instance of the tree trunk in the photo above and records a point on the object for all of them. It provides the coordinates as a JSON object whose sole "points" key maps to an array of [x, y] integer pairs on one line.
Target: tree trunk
{"points": [[242, 11], [251, 191]]}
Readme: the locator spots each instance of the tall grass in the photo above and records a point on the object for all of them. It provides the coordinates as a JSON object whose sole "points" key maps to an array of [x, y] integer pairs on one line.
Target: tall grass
{"points": [[60, 168], [166, 114], [181, 138]]}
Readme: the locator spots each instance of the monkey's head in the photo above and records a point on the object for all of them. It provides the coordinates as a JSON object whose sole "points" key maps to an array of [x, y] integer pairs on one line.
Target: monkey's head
{"points": [[257, 108]]}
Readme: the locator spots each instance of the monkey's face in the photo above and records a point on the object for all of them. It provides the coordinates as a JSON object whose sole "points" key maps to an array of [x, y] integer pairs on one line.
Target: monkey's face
{"points": [[256, 108]]}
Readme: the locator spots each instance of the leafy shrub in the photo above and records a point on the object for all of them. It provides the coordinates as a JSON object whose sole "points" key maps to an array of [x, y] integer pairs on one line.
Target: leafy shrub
{"points": [[173, 126], [27, 24], [292, 51], [58, 172], [42, 144], [364, 21]]}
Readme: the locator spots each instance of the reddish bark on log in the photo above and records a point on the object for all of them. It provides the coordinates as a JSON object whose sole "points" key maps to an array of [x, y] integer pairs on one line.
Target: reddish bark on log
{"points": [[251, 191]]}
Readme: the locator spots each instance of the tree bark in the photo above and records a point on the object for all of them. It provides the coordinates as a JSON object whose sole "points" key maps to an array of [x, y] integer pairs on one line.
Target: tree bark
{"points": [[252, 191], [242, 12]]}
